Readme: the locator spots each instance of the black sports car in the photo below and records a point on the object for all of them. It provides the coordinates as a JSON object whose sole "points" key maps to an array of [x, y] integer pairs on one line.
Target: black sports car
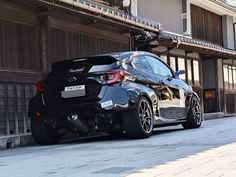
{"points": [[126, 92]]}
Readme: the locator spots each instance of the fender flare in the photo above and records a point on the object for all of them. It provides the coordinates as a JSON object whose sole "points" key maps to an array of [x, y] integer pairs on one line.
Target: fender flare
{"points": [[135, 95]]}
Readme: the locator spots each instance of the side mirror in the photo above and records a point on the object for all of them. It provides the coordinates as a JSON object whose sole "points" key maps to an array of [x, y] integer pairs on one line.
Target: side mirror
{"points": [[180, 72]]}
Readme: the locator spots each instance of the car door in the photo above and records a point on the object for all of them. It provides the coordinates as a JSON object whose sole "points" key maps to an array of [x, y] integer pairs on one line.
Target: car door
{"points": [[171, 95]]}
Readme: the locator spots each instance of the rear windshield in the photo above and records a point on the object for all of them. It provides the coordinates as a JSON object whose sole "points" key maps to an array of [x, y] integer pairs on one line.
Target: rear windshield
{"points": [[86, 65], [99, 68]]}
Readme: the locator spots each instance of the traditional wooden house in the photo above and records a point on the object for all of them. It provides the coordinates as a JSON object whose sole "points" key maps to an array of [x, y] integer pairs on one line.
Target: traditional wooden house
{"points": [[199, 37], [35, 33]]}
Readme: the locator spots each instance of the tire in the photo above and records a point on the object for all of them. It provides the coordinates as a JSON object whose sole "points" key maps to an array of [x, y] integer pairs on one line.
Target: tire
{"points": [[42, 133], [138, 123], [194, 117]]}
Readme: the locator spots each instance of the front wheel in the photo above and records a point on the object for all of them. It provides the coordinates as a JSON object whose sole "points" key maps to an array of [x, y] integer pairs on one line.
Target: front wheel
{"points": [[138, 123], [43, 133], [194, 117]]}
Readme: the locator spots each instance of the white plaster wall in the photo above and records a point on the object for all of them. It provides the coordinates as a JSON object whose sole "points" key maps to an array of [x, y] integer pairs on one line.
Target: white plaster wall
{"points": [[166, 12]]}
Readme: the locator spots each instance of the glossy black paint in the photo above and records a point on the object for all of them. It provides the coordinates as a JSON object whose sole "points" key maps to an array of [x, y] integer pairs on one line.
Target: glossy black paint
{"points": [[100, 108]]}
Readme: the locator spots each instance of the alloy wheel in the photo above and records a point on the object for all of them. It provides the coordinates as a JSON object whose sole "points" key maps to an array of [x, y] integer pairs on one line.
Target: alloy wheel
{"points": [[145, 116], [196, 110]]}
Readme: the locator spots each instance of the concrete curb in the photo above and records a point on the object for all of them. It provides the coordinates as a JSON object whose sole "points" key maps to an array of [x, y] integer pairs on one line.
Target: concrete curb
{"points": [[215, 115], [12, 141]]}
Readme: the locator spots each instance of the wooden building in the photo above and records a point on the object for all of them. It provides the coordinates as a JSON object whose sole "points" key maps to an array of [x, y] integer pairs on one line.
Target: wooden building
{"points": [[199, 37], [35, 33]]}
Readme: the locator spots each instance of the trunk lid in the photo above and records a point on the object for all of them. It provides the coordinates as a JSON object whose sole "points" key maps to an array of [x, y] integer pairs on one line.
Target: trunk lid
{"points": [[77, 80]]}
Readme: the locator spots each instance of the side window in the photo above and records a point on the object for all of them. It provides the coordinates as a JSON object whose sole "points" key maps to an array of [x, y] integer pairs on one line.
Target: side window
{"points": [[141, 64], [159, 67]]}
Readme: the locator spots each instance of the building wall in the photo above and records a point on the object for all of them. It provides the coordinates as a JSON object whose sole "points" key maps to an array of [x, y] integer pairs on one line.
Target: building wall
{"points": [[206, 25], [168, 13], [19, 66], [180, 15], [30, 40], [70, 39]]}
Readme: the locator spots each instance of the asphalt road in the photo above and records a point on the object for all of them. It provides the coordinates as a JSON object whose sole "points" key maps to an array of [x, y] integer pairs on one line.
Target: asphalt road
{"points": [[108, 157]]}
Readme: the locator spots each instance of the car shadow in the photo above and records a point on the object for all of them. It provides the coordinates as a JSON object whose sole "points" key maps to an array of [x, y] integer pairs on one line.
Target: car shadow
{"points": [[165, 131], [106, 137]]}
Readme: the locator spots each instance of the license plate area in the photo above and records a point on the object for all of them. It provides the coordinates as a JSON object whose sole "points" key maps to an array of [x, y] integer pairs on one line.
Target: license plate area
{"points": [[73, 91]]}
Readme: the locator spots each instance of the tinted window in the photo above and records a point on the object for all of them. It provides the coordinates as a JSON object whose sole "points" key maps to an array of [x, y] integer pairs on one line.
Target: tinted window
{"points": [[99, 68], [85, 65], [159, 67], [141, 64]]}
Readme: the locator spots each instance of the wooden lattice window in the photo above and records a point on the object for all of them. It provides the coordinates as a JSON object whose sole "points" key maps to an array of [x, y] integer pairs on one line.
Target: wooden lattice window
{"points": [[19, 46]]}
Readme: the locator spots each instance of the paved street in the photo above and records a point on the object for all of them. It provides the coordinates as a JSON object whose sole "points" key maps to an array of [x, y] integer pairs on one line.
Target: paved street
{"points": [[207, 151]]}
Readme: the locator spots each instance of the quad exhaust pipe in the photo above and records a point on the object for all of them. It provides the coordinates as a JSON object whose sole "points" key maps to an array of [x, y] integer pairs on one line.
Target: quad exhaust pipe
{"points": [[76, 122]]}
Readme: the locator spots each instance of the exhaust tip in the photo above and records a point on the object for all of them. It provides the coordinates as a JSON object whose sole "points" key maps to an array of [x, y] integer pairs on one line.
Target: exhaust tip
{"points": [[72, 117], [75, 121]]}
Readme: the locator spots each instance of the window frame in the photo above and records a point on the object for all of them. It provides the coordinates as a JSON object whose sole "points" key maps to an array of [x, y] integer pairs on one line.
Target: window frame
{"points": [[229, 73], [189, 80], [172, 58], [195, 82]]}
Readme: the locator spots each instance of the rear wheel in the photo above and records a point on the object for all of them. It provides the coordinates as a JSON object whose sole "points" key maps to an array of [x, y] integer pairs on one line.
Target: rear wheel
{"points": [[194, 118], [138, 123], [43, 133]]}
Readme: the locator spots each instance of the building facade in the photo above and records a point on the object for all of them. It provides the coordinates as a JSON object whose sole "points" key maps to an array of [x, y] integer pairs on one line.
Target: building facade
{"points": [[204, 32], [34, 34]]}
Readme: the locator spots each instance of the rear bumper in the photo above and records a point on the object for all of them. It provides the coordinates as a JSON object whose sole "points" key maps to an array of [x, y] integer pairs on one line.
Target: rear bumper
{"points": [[109, 99], [114, 98]]}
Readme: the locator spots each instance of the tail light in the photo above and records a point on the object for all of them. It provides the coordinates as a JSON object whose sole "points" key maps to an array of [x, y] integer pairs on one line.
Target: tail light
{"points": [[38, 114], [39, 86], [115, 76]]}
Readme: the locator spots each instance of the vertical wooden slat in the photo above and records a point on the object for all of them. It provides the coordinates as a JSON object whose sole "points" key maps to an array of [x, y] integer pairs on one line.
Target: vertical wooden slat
{"points": [[15, 110], [206, 25], [20, 40], [7, 110], [25, 110], [67, 44], [2, 110]]}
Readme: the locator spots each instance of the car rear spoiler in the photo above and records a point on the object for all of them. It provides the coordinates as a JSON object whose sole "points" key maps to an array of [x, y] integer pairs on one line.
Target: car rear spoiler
{"points": [[95, 60]]}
